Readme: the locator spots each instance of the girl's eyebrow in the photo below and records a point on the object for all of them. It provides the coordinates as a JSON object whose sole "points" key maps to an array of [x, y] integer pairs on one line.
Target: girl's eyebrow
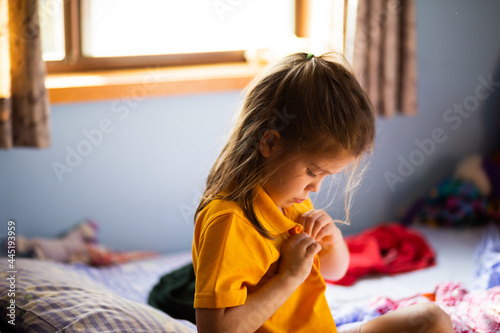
{"points": [[322, 170]]}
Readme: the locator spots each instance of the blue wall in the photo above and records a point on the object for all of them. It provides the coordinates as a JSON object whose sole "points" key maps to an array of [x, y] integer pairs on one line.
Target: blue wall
{"points": [[141, 178]]}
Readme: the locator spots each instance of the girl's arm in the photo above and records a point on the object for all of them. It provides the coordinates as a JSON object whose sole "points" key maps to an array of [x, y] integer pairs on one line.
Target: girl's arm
{"points": [[334, 256], [297, 255], [334, 260]]}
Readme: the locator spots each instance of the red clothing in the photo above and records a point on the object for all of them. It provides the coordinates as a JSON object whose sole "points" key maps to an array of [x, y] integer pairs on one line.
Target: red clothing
{"points": [[389, 248]]}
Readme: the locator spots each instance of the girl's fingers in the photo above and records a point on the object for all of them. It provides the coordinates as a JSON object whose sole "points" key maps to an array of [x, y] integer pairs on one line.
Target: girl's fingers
{"points": [[312, 250], [306, 240], [320, 224], [294, 240], [303, 220], [308, 220], [308, 246], [301, 240], [314, 222], [327, 230]]}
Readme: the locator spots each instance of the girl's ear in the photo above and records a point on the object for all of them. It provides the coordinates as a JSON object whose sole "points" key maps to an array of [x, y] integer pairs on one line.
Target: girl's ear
{"points": [[269, 143]]}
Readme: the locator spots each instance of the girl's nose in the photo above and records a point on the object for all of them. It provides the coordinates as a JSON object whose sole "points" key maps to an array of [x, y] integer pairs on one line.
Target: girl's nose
{"points": [[314, 187]]}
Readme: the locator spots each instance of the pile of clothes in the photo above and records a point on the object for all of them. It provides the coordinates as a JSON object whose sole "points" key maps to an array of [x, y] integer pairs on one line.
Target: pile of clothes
{"points": [[469, 197], [477, 310], [386, 249]]}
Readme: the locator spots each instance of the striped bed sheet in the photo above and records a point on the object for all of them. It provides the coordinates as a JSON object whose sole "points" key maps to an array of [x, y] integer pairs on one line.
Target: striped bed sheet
{"points": [[135, 280], [44, 296]]}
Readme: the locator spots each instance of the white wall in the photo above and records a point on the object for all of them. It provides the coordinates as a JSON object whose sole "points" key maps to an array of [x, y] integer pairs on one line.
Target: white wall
{"points": [[139, 180]]}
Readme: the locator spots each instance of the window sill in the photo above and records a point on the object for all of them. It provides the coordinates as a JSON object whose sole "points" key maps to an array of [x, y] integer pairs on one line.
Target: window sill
{"points": [[152, 81]]}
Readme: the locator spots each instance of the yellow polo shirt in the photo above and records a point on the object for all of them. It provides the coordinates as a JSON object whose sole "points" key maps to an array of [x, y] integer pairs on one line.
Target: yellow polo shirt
{"points": [[231, 258]]}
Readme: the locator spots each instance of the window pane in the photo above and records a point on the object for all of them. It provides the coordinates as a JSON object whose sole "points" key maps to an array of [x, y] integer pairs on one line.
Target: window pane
{"points": [[350, 29], [132, 27], [51, 14]]}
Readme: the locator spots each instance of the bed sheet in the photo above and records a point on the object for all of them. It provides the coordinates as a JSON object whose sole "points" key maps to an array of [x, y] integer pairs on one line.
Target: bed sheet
{"points": [[455, 250], [135, 280], [48, 296]]}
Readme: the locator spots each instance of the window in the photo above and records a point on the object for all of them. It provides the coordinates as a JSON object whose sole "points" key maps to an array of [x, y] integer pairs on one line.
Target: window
{"points": [[112, 29], [51, 15], [86, 35]]}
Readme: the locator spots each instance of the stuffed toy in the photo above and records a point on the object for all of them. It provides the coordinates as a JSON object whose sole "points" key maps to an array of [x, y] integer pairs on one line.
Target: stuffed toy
{"points": [[471, 169], [484, 173], [69, 247], [77, 245]]}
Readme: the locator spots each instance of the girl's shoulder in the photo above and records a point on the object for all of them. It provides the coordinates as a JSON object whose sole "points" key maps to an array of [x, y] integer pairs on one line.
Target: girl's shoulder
{"points": [[224, 222], [218, 208]]}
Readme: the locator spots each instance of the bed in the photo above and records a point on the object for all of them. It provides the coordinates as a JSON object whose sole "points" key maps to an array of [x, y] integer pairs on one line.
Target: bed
{"points": [[45, 296]]}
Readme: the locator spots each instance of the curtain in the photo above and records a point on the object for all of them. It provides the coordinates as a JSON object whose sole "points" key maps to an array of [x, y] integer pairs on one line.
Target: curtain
{"points": [[384, 56], [24, 107]]}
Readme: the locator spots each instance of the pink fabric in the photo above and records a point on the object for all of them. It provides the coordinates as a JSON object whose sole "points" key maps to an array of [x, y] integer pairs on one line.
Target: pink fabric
{"points": [[476, 311]]}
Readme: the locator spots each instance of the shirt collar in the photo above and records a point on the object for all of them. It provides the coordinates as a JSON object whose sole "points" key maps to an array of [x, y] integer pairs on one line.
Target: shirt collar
{"points": [[270, 216]]}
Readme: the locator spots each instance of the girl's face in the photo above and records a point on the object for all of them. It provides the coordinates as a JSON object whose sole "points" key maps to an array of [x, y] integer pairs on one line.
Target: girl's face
{"points": [[293, 182]]}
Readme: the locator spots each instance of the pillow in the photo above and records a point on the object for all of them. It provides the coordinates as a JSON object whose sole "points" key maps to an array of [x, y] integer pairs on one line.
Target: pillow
{"points": [[45, 296]]}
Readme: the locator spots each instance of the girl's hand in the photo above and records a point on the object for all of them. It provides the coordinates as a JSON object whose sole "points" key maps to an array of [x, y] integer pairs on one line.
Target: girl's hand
{"points": [[297, 255], [320, 226], [334, 255], [295, 263]]}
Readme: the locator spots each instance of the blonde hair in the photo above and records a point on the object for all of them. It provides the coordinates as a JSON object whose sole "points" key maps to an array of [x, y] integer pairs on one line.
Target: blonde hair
{"points": [[316, 105]]}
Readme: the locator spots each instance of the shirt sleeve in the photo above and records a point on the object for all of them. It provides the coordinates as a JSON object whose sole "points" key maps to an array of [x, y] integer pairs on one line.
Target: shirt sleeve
{"points": [[232, 257]]}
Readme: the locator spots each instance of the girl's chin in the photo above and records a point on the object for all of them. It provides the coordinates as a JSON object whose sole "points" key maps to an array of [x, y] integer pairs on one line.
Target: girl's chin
{"points": [[287, 204]]}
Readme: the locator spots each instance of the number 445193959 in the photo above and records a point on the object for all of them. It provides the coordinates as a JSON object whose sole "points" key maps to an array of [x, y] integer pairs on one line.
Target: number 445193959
{"points": [[11, 244]]}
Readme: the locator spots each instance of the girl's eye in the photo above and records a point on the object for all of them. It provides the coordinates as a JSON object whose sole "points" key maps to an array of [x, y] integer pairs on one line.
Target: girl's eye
{"points": [[310, 174]]}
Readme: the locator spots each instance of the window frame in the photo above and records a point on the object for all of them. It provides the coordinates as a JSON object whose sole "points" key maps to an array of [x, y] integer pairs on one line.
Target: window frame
{"points": [[75, 61], [120, 76]]}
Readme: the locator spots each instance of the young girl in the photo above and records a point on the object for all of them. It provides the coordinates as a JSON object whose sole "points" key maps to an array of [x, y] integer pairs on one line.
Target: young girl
{"points": [[260, 250]]}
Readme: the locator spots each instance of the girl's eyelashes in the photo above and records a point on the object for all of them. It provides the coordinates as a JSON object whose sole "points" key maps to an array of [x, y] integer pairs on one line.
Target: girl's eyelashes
{"points": [[310, 173]]}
